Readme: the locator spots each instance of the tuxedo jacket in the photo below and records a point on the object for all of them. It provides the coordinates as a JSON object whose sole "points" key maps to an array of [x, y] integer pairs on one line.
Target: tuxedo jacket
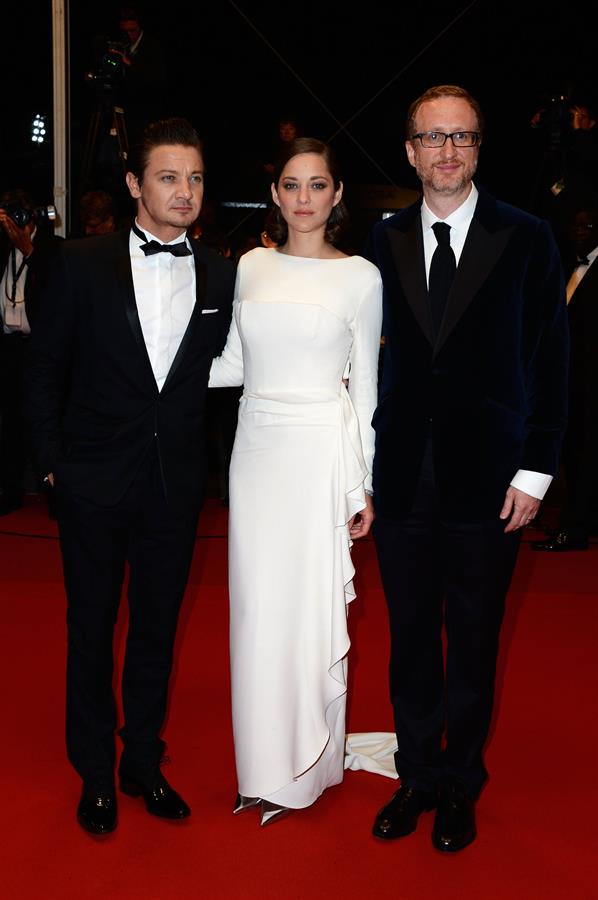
{"points": [[583, 324], [582, 429], [491, 388], [93, 403]]}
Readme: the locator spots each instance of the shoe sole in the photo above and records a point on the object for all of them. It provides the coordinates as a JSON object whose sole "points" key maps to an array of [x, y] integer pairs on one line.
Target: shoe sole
{"points": [[245, 804], [455, 848], [393, 837], [396, 836], [274, 816], [97, 830]]}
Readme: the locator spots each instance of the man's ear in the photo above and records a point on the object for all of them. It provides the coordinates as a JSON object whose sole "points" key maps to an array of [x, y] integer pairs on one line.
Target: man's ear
{"points": [[133, 185]]}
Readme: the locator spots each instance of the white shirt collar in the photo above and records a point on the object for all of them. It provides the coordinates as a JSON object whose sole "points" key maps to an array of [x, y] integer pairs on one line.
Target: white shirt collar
{"points": [[593, 254], [459, 218]]}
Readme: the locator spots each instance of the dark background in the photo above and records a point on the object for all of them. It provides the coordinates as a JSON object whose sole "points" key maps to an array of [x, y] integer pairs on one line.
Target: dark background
{"points": [[233, 68]]}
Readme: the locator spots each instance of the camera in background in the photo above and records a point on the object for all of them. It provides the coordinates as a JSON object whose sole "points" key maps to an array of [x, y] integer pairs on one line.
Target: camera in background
{"points": [[21, 215]]}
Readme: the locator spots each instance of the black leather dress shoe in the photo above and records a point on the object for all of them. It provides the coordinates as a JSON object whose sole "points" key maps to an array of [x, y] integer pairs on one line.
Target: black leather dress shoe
{"points": [[454, 825], [148, 782], [96, 812], [561, 542], [399, 817]]}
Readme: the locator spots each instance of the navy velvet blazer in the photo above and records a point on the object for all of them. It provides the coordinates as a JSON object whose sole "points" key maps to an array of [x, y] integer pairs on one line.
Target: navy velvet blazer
{"points": [[92, 398], [492, 387]]}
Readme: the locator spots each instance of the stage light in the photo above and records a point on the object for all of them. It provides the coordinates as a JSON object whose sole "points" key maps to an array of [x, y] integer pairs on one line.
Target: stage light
{"points": [[38, 129]]}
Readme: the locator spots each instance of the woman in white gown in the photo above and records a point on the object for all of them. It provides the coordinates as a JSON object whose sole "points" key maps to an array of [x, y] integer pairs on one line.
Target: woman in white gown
{"points": [[306, 318]]}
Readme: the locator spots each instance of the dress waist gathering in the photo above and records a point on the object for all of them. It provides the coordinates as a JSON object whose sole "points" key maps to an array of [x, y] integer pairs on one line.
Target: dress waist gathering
{"points": [[319, 409]]}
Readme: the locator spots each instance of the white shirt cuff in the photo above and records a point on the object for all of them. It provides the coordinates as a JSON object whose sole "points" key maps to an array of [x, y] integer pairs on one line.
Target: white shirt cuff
{"points": [[533, 483]]}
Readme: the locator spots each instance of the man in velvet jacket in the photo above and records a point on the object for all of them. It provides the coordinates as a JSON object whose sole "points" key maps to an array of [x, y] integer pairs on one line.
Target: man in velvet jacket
{"points": [[468, 430], [117, 397]]}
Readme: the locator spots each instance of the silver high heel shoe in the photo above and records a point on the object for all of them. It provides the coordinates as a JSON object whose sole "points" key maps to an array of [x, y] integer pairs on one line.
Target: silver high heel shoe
{"points": [[242, 803], [271, 811]]}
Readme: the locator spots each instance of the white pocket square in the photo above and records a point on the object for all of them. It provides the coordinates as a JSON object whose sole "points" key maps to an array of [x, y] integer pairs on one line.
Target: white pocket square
{"points": [[204, 312]]}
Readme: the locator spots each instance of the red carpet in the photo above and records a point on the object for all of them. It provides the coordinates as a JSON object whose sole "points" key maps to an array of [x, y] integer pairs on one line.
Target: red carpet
{"points": [[535, 818]]}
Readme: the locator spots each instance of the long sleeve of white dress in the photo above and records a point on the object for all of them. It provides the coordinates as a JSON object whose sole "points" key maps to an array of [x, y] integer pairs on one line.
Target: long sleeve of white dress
{"points": [[363, 368], [227, 369]]}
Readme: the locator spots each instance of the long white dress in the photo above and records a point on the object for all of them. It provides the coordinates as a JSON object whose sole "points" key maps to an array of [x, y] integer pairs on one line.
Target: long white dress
{"points": [[301, 461]]}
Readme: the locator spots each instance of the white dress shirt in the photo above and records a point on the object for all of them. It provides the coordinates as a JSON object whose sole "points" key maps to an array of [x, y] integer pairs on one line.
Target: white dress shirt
{"points": [[579, 272], [533, 483], [14, 315], [165, 295]]}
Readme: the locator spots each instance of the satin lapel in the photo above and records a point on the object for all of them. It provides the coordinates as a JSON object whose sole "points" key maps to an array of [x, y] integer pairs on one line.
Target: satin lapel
{"points": [[201, 281], [408, 252], [588, 284], [124, 280], [480, 254]]}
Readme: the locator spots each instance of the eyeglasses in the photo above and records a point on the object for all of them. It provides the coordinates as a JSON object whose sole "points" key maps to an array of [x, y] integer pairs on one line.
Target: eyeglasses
{"points": [[432, 139]]}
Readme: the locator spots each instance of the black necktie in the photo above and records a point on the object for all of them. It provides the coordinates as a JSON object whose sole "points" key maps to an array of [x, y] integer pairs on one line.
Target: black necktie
{"points": [[151, 247], [442, 272]]}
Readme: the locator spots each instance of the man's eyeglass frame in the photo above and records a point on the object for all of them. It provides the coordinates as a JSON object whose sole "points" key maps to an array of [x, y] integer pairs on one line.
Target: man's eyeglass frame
{"points": [[473, 138]]}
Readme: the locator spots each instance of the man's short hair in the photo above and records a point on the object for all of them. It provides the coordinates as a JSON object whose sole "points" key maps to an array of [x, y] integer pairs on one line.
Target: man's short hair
{"points": [[435, 93], [157, 134]]}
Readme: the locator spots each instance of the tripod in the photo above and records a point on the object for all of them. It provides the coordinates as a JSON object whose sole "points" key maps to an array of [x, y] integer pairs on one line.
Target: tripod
{"points": [[107, 125]]}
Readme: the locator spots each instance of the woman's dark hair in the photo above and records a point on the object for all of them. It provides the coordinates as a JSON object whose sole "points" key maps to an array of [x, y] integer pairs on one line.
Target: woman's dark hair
{"points": [[339, 217], [165, 131]]}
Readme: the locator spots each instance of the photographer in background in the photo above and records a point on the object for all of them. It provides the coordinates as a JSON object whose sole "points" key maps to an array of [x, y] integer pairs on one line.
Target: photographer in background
{"points": [[581, 159], [26, 249], [568, 174], [579, 514], [144, 85]]}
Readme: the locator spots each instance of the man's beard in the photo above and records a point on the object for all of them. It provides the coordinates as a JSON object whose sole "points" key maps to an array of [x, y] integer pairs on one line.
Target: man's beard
{"points": [[442, 185]]}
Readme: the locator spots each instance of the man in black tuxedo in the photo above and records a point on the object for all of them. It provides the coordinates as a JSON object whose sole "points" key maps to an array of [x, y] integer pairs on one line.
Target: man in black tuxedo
{"points": [[117, 397], [468, 427], [26, 249], [580, 448]]}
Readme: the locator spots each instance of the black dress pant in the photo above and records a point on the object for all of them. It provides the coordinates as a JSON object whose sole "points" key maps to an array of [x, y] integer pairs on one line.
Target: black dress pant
{"points": [[443, 573], [96, 544], [580, 450], [14, 446]]}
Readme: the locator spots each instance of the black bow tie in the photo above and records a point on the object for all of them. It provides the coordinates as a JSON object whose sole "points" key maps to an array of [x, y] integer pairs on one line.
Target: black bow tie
{"points": [[151, 247], [584, 261]]}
